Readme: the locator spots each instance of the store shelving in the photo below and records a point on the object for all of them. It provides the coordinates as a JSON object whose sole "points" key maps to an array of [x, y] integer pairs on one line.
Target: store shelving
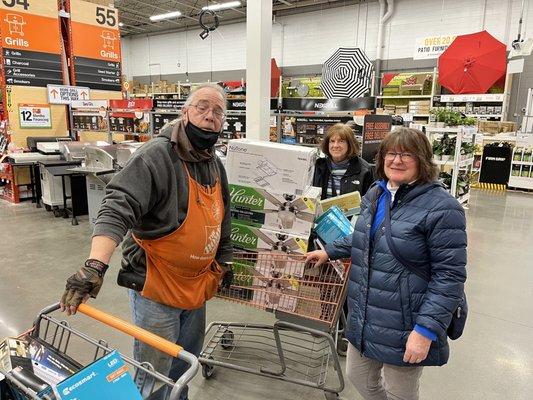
{"points": [[521, 175], [459, 166]]}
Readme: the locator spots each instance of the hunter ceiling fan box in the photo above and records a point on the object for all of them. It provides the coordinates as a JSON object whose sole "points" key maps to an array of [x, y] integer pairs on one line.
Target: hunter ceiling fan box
{"points": [[270, 166], [252, 238], [274, 210]]}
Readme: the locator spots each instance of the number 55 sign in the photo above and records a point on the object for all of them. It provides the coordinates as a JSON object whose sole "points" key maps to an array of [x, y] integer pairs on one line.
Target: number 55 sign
{"points": [[34, 116]]}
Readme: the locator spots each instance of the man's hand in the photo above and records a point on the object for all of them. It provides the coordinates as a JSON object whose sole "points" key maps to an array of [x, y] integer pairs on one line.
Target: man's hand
{"points": [[227, 275], [83, 284], [417, 348], [319, 257]]}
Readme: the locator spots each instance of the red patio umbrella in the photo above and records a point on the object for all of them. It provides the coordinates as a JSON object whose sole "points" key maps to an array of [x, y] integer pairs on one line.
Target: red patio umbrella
{"points": [[472, 63]]}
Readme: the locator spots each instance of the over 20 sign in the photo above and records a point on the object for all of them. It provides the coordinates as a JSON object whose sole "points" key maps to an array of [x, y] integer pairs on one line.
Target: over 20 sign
{"points": [[34, 116]]}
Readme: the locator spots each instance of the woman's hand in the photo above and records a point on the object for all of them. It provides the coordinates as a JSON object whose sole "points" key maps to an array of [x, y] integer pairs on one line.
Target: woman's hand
{"points": [[417, 348], [319, 257]]}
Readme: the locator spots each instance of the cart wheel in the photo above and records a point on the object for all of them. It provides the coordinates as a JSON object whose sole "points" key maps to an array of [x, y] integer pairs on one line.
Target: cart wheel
{"points": [[57, 213], [47, 207], [207, 371], [227, 340], [331, 396]]}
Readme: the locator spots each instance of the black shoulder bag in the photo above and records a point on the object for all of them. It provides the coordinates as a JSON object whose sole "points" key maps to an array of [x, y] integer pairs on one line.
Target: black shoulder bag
{"points": [[458, 322]]}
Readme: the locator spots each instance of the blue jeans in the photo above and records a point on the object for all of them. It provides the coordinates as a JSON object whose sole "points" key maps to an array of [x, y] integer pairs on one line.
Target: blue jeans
{"points": [[184, 327]]}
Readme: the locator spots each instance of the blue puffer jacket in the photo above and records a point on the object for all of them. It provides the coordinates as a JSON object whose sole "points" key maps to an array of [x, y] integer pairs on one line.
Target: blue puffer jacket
{"points": [[385, 299]]}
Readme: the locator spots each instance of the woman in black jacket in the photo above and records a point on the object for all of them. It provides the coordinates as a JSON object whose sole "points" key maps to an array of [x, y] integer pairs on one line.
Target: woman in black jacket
{"points": [[342, 171]]}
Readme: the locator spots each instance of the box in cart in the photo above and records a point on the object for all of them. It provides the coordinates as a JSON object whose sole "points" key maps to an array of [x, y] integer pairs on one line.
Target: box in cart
{"points": [[270, 209], [30, 381], [270, 166], [333, 225], [105, 379], [276, 283], [14, 352], [49, 364], [252, 238], [349, 203]]}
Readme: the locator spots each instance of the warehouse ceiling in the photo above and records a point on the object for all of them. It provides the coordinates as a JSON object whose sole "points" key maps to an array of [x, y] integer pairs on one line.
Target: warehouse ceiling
{"points": [[135, 14]]}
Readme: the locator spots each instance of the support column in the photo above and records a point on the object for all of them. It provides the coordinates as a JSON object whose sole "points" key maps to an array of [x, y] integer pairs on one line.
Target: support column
{"points": [[258, 54]]}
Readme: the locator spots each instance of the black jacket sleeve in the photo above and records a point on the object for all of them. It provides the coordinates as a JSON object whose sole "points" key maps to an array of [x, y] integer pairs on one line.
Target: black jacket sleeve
{"points": [[225, 247]]}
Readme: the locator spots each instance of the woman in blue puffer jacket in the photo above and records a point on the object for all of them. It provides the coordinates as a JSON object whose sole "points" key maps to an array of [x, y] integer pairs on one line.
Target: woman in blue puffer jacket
{"points": [[397, 320]]}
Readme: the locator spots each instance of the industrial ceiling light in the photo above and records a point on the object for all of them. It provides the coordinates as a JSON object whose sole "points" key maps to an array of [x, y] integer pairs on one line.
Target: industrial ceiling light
{"points": [[222, 6], [161, 17]]}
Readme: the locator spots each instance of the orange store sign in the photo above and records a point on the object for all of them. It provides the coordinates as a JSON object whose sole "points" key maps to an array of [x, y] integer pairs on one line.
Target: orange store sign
{"points": [[25, 31], [95, 42]]}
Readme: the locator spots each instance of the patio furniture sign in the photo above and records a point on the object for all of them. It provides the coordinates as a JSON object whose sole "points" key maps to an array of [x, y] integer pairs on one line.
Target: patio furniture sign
{"points": [[432, 46], [31, 43], [95, 51]]}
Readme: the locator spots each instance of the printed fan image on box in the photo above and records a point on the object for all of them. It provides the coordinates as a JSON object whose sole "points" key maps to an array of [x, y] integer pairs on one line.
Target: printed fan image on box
{"points": [[274, 210], [272, 166], [276, 285]]}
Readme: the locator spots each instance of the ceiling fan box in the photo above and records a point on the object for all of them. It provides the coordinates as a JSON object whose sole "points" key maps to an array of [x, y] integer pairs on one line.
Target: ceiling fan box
{"points": [[261, 208]]}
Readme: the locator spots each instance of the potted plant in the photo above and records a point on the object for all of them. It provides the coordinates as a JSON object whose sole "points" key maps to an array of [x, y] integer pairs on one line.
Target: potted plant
{"points": [[441, 116], [437, 150], [448, 147], [453, 118], [469, 121]]}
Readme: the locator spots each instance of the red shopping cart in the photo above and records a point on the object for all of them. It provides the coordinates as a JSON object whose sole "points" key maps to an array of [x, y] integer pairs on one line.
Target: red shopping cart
{"points": [[59, 334], [299, 347]]}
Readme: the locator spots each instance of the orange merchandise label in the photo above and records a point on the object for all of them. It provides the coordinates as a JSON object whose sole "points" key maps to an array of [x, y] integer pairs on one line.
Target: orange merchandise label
{"points": [[95, 42], [24, 31], [117, 374]]}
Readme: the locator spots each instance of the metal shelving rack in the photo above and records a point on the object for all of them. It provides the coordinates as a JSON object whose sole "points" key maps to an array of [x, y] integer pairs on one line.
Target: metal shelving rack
{"points": [[459, 161]]}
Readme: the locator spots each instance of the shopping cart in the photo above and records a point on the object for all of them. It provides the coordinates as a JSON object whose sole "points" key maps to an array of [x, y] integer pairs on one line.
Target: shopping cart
{"points": [[299, 347], [59, 334]]}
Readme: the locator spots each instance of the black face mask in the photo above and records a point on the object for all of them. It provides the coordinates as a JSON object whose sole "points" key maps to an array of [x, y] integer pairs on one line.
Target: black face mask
{"points": [[200, 138]]}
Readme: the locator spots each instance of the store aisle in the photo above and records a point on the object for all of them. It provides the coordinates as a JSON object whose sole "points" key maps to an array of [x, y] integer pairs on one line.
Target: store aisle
{"points": [[494, 359]]}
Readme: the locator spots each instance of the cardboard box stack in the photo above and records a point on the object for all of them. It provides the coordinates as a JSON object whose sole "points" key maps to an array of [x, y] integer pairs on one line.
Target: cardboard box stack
{"points": [[419, 107], [273, 208]]}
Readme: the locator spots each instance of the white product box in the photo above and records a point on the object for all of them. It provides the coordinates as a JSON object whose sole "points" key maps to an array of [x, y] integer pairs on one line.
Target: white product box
{"points": [[276, 286], [257, 239], [262, 208], [281, 167]]}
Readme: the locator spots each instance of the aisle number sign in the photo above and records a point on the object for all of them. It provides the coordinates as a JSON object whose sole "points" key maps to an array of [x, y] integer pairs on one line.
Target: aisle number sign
{"points": [[31, 43], [95, 38], [35, 116], [432, 46]]}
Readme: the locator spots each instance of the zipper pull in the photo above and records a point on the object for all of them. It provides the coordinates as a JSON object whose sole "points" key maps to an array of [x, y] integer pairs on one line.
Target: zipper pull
{"points": [[459, 312]]}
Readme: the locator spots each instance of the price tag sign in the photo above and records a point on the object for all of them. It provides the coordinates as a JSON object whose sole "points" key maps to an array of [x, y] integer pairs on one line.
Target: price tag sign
{"points": [[34, 116]]}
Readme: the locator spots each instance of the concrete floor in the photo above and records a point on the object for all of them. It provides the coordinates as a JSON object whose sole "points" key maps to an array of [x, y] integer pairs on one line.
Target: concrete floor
{"points": [[493, 360]]}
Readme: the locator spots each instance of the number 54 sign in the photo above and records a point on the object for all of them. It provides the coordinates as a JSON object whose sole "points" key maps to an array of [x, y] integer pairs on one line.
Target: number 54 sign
{"points": [[34, 116]]}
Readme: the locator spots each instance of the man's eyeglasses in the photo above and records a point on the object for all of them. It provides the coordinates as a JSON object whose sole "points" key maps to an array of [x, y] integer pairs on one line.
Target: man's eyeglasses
{"points": [[404, 157], [203, 108]]}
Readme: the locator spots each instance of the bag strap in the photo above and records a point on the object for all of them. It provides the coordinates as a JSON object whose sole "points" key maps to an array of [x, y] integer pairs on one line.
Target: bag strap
{"points": [[407, 264]]}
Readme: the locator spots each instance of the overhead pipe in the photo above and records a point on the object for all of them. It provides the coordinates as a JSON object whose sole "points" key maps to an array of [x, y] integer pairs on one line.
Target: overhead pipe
{"points": [[384, 16]]}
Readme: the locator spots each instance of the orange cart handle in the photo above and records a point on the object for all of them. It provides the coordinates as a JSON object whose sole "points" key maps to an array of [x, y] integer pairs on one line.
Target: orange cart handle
{"points": [[143, 335]]}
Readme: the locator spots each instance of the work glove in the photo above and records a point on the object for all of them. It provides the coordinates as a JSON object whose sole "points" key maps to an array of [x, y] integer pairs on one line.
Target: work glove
{"points": [[83, 284], [227, 275]]}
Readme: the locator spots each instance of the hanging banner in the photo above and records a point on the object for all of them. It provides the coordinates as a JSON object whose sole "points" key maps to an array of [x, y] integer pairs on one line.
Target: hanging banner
{"points": [[95, 45], [304, 104], [432, 46], [35, 116], [31, 42], [140, 104], [375, 128]]}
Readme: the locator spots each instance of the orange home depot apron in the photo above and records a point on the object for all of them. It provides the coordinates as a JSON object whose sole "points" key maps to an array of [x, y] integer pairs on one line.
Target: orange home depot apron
{"points": [[181, 270]]}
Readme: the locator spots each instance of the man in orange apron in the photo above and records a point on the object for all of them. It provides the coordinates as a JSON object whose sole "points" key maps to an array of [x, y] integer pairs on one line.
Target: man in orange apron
{"points": [[170, 204]]}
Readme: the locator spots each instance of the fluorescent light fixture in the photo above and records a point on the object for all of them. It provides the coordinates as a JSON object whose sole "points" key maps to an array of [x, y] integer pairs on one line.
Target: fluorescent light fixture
{"points": [[161, 17], [121, 24], [222, 6]]}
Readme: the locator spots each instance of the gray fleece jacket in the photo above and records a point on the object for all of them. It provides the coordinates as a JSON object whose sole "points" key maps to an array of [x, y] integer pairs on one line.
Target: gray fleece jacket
{"points": [[149, 197]]}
